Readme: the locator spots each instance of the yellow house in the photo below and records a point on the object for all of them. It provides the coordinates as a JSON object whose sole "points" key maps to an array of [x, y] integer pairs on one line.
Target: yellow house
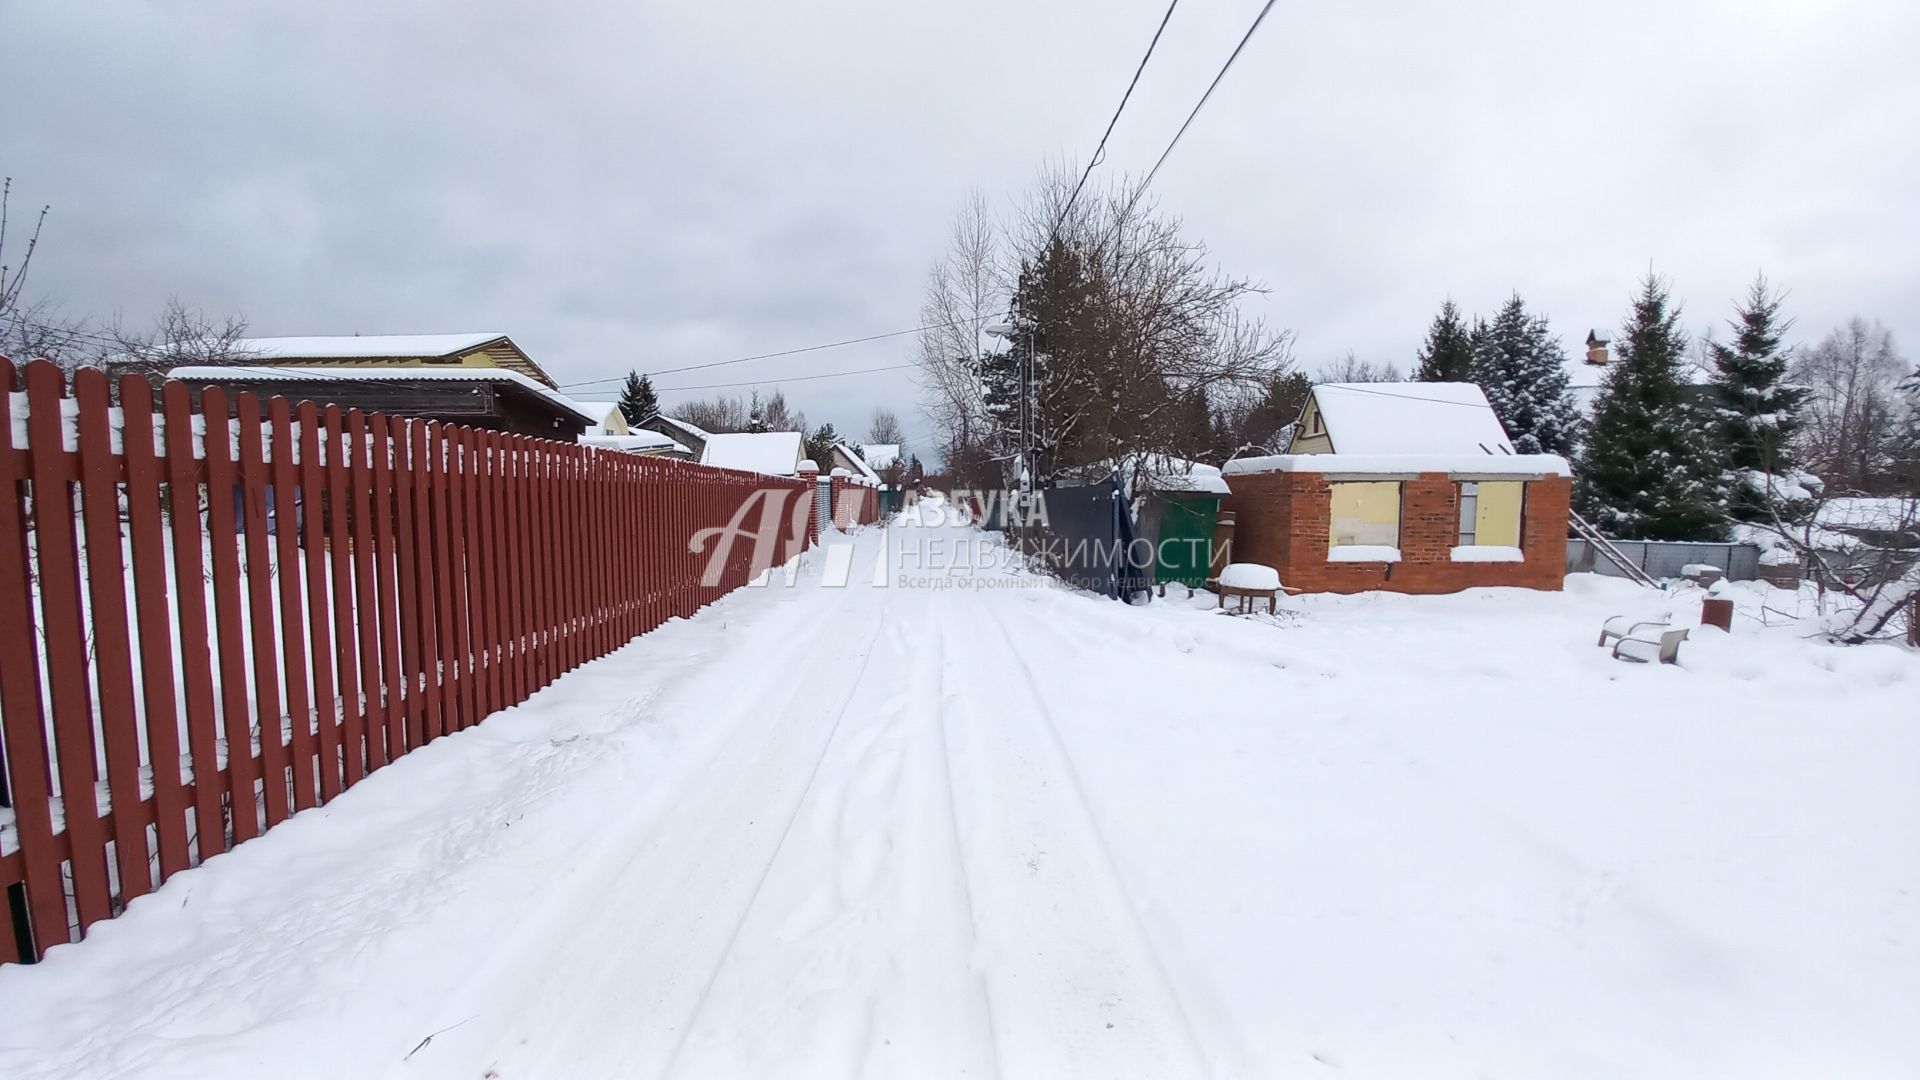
{"points": [[396, 350]]}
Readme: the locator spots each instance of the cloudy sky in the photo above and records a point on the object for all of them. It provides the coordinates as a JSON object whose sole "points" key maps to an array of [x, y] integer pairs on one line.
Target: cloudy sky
{"points": [[660, 184]]}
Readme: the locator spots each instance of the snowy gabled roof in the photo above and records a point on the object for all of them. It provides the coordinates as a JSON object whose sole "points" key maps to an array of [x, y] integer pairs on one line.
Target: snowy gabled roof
{"points": [[775, 453], [356, 346], [1410, 418], [861, 467], [216, 373], [880, 455], [601, 411], [691, 429]]}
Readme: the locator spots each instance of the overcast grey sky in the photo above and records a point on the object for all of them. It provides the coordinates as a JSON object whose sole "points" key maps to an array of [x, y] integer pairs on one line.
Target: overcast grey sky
{"points": [[662, 184]]}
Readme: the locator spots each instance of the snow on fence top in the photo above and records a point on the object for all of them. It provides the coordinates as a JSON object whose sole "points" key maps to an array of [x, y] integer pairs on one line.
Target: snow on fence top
{"points": [[1405, 464], [1410, 418]]}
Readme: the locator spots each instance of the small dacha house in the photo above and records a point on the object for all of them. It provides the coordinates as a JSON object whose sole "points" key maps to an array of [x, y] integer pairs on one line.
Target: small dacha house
{"points": [[1407, 487]]}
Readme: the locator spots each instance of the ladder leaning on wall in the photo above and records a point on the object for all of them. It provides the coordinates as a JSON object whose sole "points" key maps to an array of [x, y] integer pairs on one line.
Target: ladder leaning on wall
{"points": [[1584, 530]]}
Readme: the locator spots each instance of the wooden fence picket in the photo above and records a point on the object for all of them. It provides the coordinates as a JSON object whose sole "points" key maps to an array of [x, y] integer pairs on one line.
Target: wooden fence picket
{"points": [[249, 607]]}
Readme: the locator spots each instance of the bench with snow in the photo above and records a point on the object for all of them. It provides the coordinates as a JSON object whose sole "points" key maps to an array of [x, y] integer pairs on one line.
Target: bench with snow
{"points": [[1655, 642], [1621, 626], [1249, 582], [1702, 574]]}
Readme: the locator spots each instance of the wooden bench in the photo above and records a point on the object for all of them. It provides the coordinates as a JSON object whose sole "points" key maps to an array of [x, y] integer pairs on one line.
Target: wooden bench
{"points": [[1247, 582], [1246, 598]]}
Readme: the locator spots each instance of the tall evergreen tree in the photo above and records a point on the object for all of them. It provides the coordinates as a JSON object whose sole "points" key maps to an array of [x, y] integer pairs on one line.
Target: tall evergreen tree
{"points": [[756, 415], [1651, 470], [1757, 411], [637, 399], [1448, 352], [1520, 365]]}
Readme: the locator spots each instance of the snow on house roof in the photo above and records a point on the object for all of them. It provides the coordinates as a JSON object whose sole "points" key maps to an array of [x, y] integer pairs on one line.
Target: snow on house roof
{"points": [[219, 373], [355, 346], [1410, 418], [1462, 464], [776, 453], [636, 442], [691, 429], [861, 467], [880, 455], [1165, 473], [601, 411]]}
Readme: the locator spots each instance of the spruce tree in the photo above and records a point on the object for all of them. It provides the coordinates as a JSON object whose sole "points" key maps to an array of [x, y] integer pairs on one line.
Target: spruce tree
{"points": [[637, 399], [1651, 470], [1448, 352], [1519, 363], [756, 415], [820, 446], [1757, 412]]}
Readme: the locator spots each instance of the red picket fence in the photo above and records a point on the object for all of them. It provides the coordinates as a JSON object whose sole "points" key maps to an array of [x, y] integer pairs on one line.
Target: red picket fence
{"points": [[212, 624]]}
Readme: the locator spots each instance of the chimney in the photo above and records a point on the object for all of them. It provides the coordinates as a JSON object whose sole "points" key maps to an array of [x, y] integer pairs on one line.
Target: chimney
{"points": [[1597, 348]]}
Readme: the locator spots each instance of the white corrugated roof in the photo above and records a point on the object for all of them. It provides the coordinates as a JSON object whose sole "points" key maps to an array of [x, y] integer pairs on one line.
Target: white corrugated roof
{"points": [[346, 346], [219, 373], [1410, 418], [776, 453]]}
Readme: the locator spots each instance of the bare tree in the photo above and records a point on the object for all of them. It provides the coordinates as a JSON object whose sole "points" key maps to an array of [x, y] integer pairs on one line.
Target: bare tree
{"points": [[884, 428], [38, 331], [779, 416], [30, 331], [180, 336], [1351, 369], [1853, 413], [13, 279], [965, 290], [720, 414], [1133, 332]]}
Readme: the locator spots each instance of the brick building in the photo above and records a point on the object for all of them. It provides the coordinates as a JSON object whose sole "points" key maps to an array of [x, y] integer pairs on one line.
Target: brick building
{"points": [[1406, 487]]}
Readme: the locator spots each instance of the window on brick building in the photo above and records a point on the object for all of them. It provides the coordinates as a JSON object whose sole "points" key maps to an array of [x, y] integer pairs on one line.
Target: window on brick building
{"points": [[1490, 512], [1365, 514]]}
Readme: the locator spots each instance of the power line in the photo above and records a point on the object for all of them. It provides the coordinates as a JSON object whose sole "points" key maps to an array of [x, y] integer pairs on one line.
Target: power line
{"points": [[1258, 19], [1404, 397], [784, 352], [1099, 152], [781, 379]]}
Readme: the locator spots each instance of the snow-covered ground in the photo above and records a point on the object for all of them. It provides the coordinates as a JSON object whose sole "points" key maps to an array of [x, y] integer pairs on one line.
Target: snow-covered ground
{"points": [[969, 825]]}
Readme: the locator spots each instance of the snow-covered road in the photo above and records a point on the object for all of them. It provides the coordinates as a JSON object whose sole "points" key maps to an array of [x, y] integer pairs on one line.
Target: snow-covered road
{"points": [[1004, 830]]}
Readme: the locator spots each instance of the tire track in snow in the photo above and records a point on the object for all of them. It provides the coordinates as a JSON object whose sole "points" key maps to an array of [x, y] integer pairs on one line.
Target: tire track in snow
{"points": [[607, 985], [753, 898], [857, 959], [1227, 1043], [1069, 967]]}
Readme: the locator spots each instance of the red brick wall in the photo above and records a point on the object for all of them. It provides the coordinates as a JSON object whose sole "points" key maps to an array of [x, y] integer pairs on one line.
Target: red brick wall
{"points": [[1282, 521]]}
